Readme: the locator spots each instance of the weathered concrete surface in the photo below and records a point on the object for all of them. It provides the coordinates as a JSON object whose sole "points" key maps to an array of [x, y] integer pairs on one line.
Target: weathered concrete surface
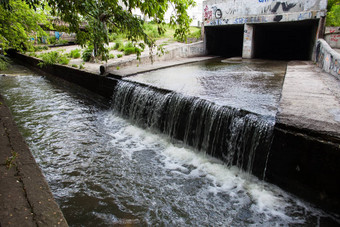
{"points": [[217, 12], [25, 198], [172, 51], [332, 36], [305, 153], [134, 69], [327, 58], [310, 100]]}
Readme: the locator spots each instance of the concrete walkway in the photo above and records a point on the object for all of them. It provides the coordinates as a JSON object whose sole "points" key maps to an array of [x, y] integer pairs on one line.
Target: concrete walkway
{"points": [[25, 198], [133, 69], [310, 100]]}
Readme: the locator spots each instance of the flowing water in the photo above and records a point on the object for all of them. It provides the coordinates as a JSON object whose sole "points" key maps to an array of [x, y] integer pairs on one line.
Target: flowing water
{"points": [[253, 85], [104, 170]]}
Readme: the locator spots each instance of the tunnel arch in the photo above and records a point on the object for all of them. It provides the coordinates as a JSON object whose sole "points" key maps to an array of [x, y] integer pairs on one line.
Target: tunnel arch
{"points": [[285, 41], [226, 41]]}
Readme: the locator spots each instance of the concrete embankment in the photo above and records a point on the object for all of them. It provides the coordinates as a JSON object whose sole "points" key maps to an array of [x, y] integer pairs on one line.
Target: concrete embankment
{"points": [[305, 155], [25, 197]]}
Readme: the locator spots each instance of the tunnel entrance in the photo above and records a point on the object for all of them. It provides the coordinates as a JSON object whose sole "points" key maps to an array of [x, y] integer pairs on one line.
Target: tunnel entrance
{"points": [[226, 41], [285, 41]]}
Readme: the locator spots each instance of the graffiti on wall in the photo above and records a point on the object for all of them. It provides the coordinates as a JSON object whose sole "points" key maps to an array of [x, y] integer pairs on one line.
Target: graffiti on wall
{"points": [[332, 36], [250, 11], [327, 59]]}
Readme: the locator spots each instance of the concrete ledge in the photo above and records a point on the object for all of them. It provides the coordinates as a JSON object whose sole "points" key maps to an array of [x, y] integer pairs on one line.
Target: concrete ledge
{"points": [[25, 197], [327, 58], [177, 52]]}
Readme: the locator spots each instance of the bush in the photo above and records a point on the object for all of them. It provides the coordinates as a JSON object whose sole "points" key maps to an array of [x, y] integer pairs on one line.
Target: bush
{"points": [[52, 40], [53, 57], [87, 54], [74, 66], [63, 60], [40, 48], [111, 56], [74, 53], [4, 62], [117, 45], [119, 55], [129, 50], [62, 41]]}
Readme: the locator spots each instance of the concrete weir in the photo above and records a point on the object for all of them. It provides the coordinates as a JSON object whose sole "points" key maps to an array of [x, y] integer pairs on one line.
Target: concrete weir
{"points": [[305, 154]]}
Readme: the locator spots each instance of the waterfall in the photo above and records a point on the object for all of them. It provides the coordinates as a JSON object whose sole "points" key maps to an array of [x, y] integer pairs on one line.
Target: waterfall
{"points": [[235, 136]]}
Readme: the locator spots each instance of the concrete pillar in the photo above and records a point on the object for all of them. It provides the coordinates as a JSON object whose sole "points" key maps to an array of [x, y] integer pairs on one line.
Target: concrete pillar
{"points": [[248, 41]]}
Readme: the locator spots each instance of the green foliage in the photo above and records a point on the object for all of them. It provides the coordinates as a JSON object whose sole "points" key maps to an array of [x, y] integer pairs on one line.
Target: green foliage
{"points": [[117, 45], [87, 54], [63, 60], [152, 31], [119, 55], [81, 66], [62, 41], [333, 16], [40, 48], [100, 17], [53, 57], [196, 33], [74, 53], [74, 66], [111, 56], [52, 40], [4, 62], [129, 50], [18, 24], [32, 54]]}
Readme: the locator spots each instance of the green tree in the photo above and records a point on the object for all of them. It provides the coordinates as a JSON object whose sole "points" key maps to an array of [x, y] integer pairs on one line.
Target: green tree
{"points": [[333, 15], [19, 23], [102, 16]]}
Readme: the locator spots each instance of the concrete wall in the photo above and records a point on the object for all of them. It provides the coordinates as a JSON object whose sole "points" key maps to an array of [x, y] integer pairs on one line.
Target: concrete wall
{"points": [[222, 12], [332, 36], [327, 58], [182, 51]]}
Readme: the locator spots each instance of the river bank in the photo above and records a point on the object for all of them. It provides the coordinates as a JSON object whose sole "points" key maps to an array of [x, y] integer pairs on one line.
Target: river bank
{"points": [[25, 197]]}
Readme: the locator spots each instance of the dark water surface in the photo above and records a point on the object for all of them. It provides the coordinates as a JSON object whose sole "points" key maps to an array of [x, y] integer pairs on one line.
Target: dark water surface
{"points": [[104, 171]]}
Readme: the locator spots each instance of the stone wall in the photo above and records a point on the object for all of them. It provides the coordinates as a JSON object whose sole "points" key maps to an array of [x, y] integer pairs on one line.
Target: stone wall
{"points": [[327, 58], [332, 36], [222, 12]]}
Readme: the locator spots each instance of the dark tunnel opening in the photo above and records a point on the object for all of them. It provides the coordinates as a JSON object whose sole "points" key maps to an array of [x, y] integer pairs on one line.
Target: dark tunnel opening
{"points": [[226, 41], [285, 41]]}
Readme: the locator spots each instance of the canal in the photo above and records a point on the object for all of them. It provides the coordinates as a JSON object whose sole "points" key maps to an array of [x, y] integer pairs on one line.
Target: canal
{"points": [[103, 169]]}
